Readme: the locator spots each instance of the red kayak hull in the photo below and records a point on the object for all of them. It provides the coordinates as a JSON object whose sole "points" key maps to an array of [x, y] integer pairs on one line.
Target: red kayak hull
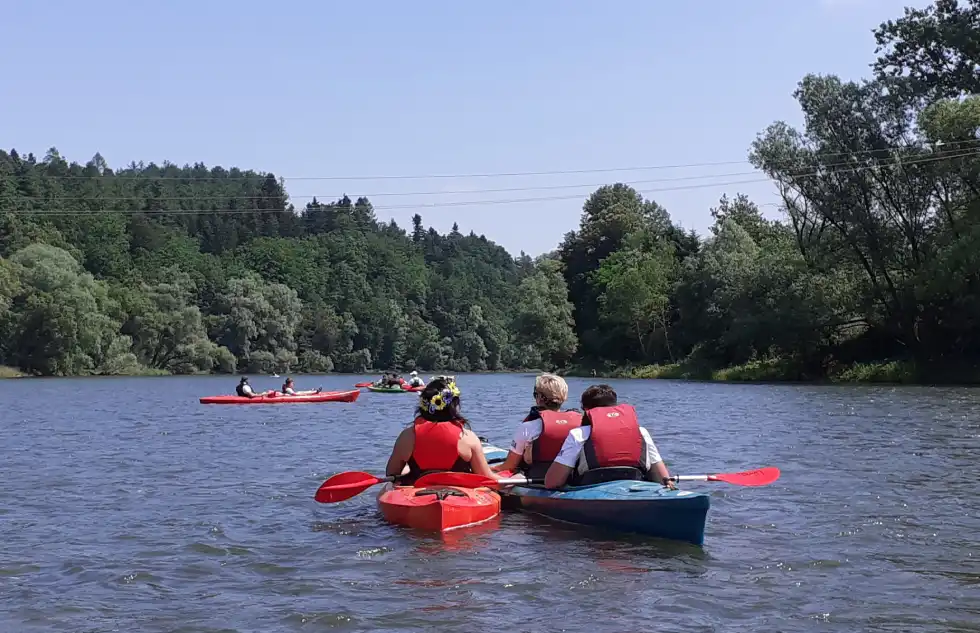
{"points": [[266, 398], [439, 508]]}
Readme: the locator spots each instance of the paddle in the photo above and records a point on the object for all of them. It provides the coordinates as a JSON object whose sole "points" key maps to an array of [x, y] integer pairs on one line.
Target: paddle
{"points": [[343, 486], [363, 384], [758, 477], [469, 480]]}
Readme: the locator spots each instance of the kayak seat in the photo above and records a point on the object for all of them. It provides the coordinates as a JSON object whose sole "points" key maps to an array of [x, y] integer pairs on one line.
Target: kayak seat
{"points": [[613, 473], [440, 494]]}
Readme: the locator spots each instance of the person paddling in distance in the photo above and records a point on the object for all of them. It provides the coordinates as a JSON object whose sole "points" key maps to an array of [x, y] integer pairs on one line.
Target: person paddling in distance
{"points": [[439, 438], [542, 433], [289, 389], [414, 380], [610, 437], [244, 389]]}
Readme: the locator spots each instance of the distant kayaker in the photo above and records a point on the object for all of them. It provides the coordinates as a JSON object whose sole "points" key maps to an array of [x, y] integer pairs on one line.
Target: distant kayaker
{"points": [[439, 439], [390, 380], [244, 389], [288, 388], [540, 436], [610, 436], [414, 380]]}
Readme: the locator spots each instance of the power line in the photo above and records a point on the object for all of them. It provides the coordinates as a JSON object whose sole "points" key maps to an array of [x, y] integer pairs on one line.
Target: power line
{"points": [[463, 203], [848, 164], [560, 172]]}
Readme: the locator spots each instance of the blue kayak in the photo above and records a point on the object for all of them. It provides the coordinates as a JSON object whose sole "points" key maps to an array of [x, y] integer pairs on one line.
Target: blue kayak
{"points": [[639, 507]]}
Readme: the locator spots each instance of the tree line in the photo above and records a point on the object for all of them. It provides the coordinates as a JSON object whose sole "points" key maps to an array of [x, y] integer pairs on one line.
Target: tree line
{"points": [[160, 268]]}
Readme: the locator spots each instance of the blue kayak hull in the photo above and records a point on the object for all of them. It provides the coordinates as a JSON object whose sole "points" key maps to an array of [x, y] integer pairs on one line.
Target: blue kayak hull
{"points": [[639, 507]]}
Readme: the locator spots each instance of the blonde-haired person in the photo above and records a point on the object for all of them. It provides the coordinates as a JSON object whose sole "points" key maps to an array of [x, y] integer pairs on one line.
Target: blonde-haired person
{"points": [[540, 436]]}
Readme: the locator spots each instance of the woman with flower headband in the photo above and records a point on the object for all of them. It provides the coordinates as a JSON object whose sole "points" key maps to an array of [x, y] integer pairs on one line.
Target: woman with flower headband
{"points": [[439, 439]]}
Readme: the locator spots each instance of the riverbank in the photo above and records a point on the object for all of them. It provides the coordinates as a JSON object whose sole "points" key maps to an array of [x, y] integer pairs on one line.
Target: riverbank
{"points": [[779, 370]]}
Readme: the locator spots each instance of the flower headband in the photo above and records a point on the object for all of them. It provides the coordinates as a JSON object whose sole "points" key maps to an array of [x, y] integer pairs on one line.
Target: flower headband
{"points": [[441, 400]]}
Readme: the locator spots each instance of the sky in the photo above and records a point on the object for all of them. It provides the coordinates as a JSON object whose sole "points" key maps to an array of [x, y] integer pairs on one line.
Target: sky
{"points": [[356, 97]]}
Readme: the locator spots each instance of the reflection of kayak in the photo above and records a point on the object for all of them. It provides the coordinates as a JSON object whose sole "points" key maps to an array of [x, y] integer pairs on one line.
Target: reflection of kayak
{"points": [[641, 507], [393, 389], [439, 508], [274, 397]]}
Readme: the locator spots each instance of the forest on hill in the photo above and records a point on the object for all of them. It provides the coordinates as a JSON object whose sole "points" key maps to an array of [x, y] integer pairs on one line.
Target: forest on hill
{"points": [[876, 257]]}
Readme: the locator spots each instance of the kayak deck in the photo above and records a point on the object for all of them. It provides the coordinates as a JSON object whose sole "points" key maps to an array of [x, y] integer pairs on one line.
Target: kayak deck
{"points": [[438, 508], [278, 398], [639, 507]]}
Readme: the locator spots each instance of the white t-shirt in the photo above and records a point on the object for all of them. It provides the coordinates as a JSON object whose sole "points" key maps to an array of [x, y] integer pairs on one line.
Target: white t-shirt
{"points": [[290, 391], [247, 389], [571, 449], [526, 433]]}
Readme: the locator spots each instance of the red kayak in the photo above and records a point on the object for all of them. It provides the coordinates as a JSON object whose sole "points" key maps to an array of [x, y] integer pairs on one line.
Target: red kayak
{"points": [[438, 508], [274, 397]]}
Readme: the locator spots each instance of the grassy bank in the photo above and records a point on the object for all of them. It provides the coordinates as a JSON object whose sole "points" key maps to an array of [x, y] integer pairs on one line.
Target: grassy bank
{"points": [[10, 372], [781, 370]]}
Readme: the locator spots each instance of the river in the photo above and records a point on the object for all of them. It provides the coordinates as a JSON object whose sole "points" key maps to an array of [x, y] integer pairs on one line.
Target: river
{"points": [[128, 506]]}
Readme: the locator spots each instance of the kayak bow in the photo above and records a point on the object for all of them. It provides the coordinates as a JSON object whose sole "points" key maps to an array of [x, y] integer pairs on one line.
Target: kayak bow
{"points": [[437, 508]]}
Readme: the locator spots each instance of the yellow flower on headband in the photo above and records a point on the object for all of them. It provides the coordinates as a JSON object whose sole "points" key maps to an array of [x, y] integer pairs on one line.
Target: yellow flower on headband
{"points": [[441, 400]]}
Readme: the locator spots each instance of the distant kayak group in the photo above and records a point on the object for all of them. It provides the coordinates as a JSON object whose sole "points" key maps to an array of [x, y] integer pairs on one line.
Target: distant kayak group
{"points": [[595, 466], [393, 383]]}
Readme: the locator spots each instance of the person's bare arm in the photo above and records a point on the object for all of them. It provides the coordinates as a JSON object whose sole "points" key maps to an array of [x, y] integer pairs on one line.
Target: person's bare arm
{"points": [[557, 475], [511, 463], [401, 453], [659, 473], [478, 461]]}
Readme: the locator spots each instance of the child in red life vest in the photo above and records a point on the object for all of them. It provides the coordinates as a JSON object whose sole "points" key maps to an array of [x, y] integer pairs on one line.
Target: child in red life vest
{"points": [[610, 436], [439, 439], [541, 435]]}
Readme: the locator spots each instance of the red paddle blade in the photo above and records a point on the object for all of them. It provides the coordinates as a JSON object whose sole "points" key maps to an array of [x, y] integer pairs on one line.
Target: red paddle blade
{"points": [[758, 477], [363, 384], [343, 486], [463, 480]]}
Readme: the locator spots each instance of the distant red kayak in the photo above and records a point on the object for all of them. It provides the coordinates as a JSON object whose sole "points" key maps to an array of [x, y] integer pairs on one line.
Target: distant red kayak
{"points": [[274, 397]]}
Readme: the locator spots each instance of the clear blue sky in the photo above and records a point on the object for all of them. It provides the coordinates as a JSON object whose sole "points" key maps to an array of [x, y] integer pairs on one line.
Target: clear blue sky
{"points": [[324, 88]]}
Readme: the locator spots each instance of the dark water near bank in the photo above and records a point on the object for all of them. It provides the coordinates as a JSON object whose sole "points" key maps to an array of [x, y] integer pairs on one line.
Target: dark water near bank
{"points": [[127, 506]]}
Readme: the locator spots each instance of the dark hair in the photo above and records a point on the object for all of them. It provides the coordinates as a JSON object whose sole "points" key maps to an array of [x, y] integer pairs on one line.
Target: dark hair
{"points": [[450, 413], [599, 396]]}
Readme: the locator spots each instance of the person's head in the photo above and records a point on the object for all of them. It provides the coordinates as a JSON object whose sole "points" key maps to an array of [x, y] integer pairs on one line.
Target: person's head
{"points": [[550, 391], [289, 381], [599, 396], [244, 380], [414, 373], [439, 401]]}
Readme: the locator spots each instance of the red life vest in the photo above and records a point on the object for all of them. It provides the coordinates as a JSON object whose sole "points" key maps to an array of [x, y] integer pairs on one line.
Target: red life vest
{"points": [[615, 438], [437, 446], [555, 426]]}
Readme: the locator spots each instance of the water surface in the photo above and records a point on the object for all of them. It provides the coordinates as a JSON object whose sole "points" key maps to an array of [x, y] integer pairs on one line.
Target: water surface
{"points": [[126, 506]]}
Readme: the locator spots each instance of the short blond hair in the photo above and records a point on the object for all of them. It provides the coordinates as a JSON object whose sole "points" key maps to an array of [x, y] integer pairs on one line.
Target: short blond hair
{"points": [[552, 389]]}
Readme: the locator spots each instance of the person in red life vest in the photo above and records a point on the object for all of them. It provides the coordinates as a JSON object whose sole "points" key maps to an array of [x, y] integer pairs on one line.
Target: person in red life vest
{"points": [[610, 436], [540, 436], [439, 439]]}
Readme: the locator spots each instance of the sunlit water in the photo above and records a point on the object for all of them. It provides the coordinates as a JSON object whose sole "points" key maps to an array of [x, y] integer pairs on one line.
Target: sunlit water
{"points": [[128, 506]]}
